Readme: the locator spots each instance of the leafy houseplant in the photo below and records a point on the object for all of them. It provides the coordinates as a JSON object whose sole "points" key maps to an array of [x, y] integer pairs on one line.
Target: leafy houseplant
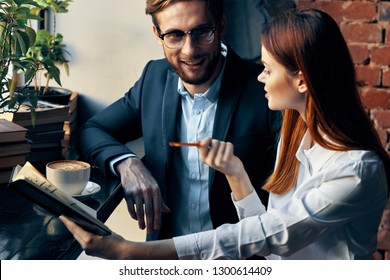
{"points": [[23, 52], [16, 37], [49, 50]]}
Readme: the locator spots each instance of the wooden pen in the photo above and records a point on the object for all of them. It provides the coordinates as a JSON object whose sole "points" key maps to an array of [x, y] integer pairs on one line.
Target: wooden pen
{"points": [[182, 144]]}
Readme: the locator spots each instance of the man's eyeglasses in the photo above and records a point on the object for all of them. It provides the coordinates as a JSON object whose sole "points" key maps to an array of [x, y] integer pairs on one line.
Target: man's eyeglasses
{"points": [[175, 39]]}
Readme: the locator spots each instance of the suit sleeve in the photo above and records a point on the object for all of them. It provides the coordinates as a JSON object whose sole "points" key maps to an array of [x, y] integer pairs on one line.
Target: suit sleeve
{"points": [[104, 136]]}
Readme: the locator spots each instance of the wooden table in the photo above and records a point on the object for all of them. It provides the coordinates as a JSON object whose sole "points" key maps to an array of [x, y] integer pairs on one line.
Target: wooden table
{"points": [[29, 232]]}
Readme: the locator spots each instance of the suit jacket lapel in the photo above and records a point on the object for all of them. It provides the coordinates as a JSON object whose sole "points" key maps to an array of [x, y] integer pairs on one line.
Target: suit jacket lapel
{"points": [[170, 110], [230, 92]]}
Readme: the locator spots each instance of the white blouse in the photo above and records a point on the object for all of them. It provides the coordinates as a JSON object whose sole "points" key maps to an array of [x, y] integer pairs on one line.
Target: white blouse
{"points": [[333, 212]]}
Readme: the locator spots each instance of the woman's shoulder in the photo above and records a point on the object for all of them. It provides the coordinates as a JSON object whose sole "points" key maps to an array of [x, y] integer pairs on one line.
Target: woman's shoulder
{"points": [[364, 156], [360, 162]]}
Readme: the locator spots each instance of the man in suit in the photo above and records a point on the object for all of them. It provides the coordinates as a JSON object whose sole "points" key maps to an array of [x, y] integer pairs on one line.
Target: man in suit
{"points": [[201, 89]]}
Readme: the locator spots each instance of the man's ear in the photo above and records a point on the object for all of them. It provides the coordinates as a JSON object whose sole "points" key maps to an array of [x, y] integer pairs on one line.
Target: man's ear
{"points": [[155, 32], [302, 87], [222, 27]]}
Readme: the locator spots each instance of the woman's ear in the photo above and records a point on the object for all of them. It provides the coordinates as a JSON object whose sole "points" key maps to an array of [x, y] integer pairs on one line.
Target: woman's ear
{"points": [[302, 87]]}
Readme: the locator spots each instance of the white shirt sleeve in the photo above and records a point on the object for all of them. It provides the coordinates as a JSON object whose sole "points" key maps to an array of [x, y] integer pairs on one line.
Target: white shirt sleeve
{"points": [[249, 206], [346, 195], [115, 160]]}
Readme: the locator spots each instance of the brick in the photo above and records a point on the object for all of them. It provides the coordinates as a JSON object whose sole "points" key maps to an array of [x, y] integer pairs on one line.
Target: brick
{"points": [[381, 55], [344, 10], [360, 53], [381, 117], [364, 11], [335, 9], [386, 77], [375, 98], [368, 75], [362, 32]]}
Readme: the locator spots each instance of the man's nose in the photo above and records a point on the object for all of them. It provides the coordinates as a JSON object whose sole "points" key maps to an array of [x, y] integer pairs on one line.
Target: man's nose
{"points": [[189, 44]]}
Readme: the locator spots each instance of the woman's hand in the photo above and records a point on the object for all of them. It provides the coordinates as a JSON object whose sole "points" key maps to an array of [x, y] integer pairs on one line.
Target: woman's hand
{"points": [[106, 247], [115, 247], [219, 155]]}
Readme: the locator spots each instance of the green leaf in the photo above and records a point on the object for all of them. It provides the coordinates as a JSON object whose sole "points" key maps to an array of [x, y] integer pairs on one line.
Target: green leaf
{"points": [[33, 98], [33, 116], [26, 2], [28, 16], [31, 35], [55, 74], [21, 47]]}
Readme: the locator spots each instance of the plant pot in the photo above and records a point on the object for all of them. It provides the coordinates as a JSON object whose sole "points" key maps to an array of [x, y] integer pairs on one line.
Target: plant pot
{"points": [[56, 95]]}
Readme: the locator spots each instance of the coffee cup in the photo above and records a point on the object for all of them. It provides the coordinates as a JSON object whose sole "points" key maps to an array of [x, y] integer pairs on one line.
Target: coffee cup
{"points": [[70, 176]]}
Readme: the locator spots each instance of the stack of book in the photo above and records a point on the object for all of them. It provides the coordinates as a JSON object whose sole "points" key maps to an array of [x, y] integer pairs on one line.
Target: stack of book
{"points": [[14, 148], [47, 134]]}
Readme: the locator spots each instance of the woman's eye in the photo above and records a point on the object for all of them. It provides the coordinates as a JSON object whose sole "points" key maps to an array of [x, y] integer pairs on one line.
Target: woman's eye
{"points": [[266, 72]]}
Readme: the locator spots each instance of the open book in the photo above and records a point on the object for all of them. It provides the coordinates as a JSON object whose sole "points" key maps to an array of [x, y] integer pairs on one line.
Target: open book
{"points": [[30, 183]]}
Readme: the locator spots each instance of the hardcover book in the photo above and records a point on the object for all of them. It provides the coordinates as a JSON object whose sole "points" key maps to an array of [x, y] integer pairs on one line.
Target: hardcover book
{"points": [[11, 132], [46, 113], [8, 162], [14, 148]]}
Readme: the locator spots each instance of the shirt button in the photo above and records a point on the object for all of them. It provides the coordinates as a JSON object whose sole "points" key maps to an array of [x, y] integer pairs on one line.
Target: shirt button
{"points": [[197, 112], [193, 205], [193, 175]]}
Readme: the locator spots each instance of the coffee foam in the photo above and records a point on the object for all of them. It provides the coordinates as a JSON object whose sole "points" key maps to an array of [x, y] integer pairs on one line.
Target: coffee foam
{"points": [[68, 165]]}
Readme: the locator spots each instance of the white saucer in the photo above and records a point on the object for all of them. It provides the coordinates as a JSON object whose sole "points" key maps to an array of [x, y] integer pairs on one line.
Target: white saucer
{"points": [[89, 190]]}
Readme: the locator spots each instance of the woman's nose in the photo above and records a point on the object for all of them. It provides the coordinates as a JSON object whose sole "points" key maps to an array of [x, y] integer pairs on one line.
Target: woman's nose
{"points": [[261, 77]]}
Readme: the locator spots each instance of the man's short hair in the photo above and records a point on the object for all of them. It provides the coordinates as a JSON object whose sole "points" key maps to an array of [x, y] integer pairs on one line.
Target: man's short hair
{"points": [[155, 6]]}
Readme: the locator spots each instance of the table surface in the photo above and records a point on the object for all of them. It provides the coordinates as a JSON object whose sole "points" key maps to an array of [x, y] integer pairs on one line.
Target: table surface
{"points": [[28, 232]]}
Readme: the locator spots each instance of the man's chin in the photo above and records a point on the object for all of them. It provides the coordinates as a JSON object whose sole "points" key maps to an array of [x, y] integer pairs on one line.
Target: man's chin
{"points": [[194, 80]]}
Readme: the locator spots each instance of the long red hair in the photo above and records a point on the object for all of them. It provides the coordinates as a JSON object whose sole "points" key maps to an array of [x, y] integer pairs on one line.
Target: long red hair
{"points": [[310, 41]]}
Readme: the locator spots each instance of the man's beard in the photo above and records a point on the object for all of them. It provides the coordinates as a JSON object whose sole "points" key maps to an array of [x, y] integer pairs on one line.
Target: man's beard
{"points": [[200, 79]]}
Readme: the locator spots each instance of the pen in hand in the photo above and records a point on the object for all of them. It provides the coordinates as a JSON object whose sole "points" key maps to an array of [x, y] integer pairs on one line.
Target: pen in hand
{"points": [[182, 144]]}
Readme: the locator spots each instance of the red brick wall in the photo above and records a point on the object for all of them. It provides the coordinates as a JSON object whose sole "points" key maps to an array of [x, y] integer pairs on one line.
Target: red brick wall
{"points": [[365, 25]]}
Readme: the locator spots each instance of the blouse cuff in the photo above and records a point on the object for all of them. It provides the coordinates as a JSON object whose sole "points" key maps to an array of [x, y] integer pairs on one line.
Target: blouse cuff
{"points": [[186, 247], [250, 205]]}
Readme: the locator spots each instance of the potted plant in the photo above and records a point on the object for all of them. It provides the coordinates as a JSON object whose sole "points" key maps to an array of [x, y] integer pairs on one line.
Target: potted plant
{"points": [[49, 52], [16, 37]]}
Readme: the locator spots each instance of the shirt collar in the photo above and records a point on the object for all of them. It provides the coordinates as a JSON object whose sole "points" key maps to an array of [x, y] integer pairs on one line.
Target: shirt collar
{"points": [[316, 155]]}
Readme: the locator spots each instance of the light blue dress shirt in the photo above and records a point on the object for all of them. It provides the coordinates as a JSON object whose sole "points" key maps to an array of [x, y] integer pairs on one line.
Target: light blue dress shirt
{"points": [[191, 211]]}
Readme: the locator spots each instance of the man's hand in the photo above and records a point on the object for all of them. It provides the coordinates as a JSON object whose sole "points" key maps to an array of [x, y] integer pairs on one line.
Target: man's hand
{"points": [[141, 190]]}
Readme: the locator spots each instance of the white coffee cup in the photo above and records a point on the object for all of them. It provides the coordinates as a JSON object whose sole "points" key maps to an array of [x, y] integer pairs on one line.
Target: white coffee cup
{"points": [[70, 176]]}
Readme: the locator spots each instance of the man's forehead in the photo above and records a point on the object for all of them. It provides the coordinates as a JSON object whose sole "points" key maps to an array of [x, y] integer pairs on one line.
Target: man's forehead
{"points": [[184, 15]]}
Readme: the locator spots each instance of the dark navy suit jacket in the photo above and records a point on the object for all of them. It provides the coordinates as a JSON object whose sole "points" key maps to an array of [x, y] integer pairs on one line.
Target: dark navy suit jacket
{"points": [[151, 109]]}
